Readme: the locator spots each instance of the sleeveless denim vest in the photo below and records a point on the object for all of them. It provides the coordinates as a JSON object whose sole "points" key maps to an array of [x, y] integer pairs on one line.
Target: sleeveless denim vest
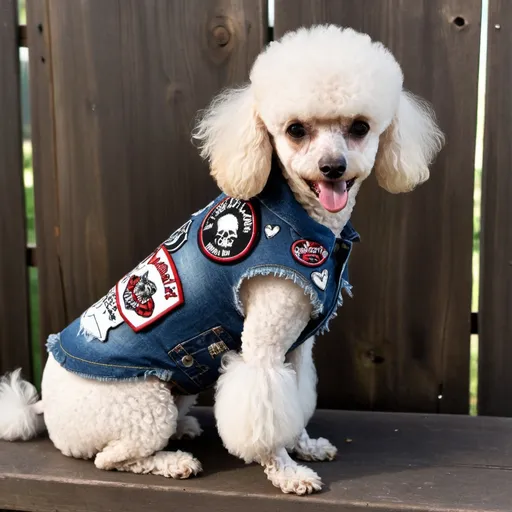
{"points": [[179, 311]]}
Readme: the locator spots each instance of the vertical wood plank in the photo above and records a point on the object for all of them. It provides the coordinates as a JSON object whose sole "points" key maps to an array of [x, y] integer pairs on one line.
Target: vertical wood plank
{"points": [[495, 314], [51, 299], [118, 87], [403, 341], [14, 313]]}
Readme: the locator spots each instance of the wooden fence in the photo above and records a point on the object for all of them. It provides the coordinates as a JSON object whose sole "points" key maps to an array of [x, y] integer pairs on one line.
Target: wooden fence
{"points": [[115, 87]]}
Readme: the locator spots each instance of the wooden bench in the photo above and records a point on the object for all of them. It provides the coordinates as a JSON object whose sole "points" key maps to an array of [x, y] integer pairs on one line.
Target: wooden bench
{"points": [[386, 462]]}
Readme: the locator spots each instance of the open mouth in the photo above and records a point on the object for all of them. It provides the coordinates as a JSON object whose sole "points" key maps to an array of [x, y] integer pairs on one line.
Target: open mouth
{"points": [[333, 195]]}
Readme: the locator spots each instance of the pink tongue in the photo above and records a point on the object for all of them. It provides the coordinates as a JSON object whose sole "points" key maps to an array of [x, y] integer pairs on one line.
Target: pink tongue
{"points": [[333, 195]]}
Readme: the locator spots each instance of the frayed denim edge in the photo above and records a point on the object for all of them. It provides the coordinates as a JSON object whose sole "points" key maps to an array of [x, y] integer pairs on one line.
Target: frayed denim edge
{"points": [[54, 348], [164, 375], [285, 273], [348, 288]]}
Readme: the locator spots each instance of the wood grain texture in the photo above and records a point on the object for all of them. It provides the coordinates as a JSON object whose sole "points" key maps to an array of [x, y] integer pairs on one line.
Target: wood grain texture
{"points": [[127, 79], [404, 339], [14, 313], [394, 462], [51, 299], [495, 319]]}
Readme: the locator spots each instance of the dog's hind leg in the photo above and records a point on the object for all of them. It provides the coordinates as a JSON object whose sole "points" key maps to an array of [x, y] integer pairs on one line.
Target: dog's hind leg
{"points": [[144, 455], [122, 425], [169, 464], [141, 450], [306, 448]]}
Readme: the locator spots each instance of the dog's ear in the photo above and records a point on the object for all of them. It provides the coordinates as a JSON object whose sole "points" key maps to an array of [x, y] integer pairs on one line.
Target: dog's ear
{"points": [[408, 146], [235, 141]]}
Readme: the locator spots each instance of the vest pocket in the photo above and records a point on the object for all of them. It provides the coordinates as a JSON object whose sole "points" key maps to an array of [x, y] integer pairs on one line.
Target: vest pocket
{"points": [[199, 358]]}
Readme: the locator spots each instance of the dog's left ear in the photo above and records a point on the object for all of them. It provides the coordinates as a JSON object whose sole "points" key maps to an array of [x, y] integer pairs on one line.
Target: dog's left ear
{"points": [[408, 146], [235, 141]]}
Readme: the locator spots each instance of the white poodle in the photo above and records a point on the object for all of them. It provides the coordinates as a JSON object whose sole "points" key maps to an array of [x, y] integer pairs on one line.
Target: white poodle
{"points": [[324, 106]]}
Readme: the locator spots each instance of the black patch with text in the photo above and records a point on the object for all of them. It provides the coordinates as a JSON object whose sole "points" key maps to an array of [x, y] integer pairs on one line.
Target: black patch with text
{"points": [[228, 232]]}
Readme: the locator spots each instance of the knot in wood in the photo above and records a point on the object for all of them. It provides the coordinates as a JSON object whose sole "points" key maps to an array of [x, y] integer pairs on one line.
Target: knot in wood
{"points": [[221, 35], [374, 357]]}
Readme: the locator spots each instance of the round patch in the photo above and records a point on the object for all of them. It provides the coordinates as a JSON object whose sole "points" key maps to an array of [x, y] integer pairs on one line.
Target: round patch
{"points": [[228, 231], [309, 253]]}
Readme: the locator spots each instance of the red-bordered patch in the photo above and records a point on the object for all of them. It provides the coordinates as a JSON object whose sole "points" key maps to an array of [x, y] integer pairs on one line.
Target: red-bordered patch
{"points": [[149, 291], [228, 231], [309, 253]]}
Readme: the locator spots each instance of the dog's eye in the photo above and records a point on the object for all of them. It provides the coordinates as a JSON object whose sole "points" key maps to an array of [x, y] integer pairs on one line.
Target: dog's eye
{"points": [[359, 128], [296, 130]]}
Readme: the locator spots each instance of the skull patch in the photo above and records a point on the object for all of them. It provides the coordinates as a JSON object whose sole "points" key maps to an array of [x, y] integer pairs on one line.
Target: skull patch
{"points": [[228, 231]]}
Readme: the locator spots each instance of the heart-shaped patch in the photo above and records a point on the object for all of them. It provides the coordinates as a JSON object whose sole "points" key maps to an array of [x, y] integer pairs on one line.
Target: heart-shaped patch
{"points": [[320, 278], [271, 231]]}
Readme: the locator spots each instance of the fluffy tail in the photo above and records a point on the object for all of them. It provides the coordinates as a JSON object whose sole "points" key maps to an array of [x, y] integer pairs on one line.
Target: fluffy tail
{"points": [[21, 412]]}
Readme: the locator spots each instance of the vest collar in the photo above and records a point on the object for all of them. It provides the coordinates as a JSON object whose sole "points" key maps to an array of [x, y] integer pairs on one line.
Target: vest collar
{"points": [[278, 197]]}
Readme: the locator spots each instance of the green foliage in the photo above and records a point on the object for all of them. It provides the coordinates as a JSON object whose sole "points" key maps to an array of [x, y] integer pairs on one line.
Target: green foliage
{"points": [[22, 12]]}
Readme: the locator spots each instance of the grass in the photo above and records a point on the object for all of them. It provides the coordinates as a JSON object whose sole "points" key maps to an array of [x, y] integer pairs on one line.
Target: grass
{"points": [[22, 12], [28, 180]]}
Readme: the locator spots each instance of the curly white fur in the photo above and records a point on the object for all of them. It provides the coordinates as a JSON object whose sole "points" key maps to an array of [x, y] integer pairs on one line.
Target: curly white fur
{"points": [[408, 146], [289, 476], [242, 171], [136, 418], [301, 360], [325, 72], [326, 78], [258, 384]]}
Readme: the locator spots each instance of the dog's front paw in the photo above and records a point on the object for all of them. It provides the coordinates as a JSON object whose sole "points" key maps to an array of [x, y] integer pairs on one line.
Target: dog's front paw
{"points": [[187, 428], [314, 449], [294, 479]]}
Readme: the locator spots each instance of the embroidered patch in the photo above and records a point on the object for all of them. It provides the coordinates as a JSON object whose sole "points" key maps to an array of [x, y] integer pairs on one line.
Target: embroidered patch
{"points": [[271, 231], [228, 231], [178, 238], [309, 253], [150, 291], [101, 317], [203, 209], [217, 348], [320, 278]]}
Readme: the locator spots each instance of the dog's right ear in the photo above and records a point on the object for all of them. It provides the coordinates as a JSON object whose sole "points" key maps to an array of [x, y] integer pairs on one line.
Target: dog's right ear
{"points": [[235, 141]]}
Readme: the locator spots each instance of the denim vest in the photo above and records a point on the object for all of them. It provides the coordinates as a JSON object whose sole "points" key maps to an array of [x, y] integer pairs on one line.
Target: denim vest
{"points": [[179, 311]]}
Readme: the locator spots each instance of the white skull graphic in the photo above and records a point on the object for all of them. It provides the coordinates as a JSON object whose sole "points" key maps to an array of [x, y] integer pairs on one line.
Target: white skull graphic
{"points": [[227, 231]]}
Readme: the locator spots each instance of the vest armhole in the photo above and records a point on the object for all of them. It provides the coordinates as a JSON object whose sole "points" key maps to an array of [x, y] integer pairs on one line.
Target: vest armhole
{"points": [[284, 273]]}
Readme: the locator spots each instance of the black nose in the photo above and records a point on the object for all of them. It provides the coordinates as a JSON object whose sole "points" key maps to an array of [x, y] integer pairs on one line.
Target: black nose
{"points": [[333, 168]]}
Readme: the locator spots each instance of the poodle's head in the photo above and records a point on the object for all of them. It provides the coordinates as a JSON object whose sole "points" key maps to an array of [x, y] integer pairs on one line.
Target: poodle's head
{"points": [[330, 103]]}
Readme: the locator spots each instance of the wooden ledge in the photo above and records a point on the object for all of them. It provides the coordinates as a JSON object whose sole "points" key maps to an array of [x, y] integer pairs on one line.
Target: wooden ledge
{"points": [[386, 462]]}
